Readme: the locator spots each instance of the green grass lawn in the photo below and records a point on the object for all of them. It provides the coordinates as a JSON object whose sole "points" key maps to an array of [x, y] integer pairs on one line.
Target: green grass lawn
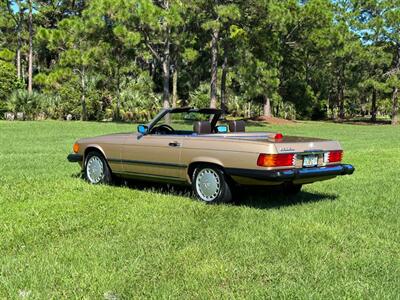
{"points": [[63, 238]]}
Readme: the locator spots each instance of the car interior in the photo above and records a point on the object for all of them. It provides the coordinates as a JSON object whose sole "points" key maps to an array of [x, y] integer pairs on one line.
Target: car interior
{"points": [[202, 123], [201, 127]]}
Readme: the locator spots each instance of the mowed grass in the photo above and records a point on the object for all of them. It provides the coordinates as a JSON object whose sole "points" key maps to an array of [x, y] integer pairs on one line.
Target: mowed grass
{"points": [[63, 238]]}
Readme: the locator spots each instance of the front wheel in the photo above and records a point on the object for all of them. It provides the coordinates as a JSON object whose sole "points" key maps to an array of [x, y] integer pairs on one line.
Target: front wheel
{"points": [[96, 169], [210, 185]]}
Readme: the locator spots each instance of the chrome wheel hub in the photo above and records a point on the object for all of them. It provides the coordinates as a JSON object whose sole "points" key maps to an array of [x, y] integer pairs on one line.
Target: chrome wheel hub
{"points": [[208, 184], [94, 169]]}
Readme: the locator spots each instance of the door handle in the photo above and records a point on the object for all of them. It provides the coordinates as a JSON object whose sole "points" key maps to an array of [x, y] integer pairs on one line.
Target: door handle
{"points": [[174, 144]]}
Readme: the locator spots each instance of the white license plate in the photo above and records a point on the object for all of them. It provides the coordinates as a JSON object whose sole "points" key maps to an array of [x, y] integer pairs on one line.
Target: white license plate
{"points": [[310, 161]]}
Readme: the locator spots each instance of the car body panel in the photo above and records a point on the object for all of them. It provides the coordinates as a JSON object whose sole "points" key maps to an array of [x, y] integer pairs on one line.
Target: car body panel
{"points": [[152, 155]]}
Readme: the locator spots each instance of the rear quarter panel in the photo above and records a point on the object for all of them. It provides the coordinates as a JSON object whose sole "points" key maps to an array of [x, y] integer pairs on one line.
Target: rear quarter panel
{"points": [[223, 152], [243, 154]]}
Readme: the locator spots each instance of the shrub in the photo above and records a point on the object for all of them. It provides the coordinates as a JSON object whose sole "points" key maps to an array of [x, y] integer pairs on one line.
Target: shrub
{"points": [[200, 97], [138, 101], [286, 110], [29, 104]]}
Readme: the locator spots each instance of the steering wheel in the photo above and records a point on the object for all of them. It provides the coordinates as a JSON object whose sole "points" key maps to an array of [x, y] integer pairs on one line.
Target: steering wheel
{"points": [[164, 129]]}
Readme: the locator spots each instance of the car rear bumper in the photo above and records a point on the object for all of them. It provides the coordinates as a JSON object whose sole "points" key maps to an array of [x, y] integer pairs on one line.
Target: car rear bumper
{"points": [[75, 158], [293, 174]]}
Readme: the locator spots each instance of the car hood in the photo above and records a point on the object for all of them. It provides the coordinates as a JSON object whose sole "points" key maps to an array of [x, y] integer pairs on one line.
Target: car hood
{"points": [[108, 138]]}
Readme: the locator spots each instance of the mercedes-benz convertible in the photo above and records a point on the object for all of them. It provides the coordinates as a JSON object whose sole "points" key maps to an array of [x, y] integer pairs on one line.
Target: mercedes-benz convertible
{"points": [[195, 147]]}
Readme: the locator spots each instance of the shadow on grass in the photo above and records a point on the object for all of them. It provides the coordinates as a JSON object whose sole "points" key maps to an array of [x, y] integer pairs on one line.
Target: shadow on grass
{"points": [[362, 121], [267, 198], [260, 198], [274, 198]]}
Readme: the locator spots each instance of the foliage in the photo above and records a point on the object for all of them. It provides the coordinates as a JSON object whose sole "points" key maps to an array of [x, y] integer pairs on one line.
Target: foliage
{"points": [[200, 97], [139, 102], [8, 77], [29, 104], [313, 59]]}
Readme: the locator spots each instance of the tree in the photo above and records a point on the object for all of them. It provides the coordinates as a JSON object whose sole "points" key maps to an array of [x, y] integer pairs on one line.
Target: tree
{"points": [[109, 23], [157, 21], [218, 16], [30, 54], [379, 25], [260, 51], [18, 17], [75, 49], [314, 58]]}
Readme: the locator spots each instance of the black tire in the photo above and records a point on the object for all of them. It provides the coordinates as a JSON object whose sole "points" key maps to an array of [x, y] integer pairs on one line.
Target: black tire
{"points": [[106, 175], [292, 189], [223, 192]]}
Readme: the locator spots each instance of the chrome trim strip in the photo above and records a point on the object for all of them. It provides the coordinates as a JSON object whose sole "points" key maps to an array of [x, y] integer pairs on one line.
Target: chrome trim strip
{"points": [[150, 176], [143, 162]]}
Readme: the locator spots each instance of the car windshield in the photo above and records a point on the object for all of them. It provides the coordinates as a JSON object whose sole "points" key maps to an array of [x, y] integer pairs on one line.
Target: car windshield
{"points": [[185, 123]]}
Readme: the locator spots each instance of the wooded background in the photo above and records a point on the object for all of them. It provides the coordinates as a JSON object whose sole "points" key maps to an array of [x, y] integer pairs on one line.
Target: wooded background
{"points": [[125, 59]]}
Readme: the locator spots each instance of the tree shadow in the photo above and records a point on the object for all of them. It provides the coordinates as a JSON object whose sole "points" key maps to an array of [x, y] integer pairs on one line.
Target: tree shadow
{"points": [[361, 121], [156, 187], [260, 198]]}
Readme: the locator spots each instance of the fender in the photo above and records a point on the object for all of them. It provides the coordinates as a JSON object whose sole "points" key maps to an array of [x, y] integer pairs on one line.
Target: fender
{"points": [[97, 147], [202, 159]]}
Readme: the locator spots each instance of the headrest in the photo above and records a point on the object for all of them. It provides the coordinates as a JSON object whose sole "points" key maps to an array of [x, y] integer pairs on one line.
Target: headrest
{"points": [[237, 126], [202, 127]]}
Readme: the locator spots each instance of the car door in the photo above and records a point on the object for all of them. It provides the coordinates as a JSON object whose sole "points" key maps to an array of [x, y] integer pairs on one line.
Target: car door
{"points": [[154, 155]]}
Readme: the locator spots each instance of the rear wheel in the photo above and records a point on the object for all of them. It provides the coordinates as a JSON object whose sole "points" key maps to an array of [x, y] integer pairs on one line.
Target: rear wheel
{"points": [[210, 185], [96, 169]]}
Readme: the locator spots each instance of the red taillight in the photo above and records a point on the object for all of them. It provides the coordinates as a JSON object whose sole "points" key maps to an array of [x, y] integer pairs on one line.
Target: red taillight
{"points": [[335, 156], [278, 136], [275, 160]]}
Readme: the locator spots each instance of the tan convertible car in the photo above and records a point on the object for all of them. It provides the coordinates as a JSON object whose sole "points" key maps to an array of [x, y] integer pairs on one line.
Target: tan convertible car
{"points": [[191, 146]]}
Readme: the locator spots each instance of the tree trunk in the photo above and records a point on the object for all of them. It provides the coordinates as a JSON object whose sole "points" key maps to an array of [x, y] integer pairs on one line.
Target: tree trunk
{"points": [[267, 106], [30, 56], [395, 100], [175, 86], [118, 87], [395, 107], [214, 68], [83, 96], [19, 57], [19, 42], [373, 106], [341, 103], [223, 81], [166, 76], [341, 82]]}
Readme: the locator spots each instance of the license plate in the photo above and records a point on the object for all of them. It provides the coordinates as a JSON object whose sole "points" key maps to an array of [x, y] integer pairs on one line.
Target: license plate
{"points": [[310, 161]]}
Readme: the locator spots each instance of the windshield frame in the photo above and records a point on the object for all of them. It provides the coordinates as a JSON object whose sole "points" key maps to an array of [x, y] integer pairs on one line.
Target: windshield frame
{"points": [[214, 112]]}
